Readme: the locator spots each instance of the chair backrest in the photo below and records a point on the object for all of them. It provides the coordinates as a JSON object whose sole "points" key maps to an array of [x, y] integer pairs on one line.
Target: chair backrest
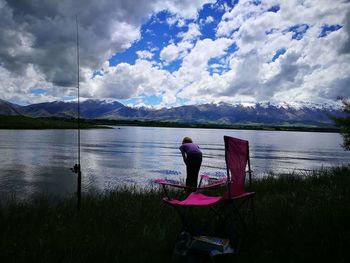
{"points": [[237, 158]]}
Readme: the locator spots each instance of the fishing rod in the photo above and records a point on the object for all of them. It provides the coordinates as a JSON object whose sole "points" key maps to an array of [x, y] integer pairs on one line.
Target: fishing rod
{"points": [[77, 167]]}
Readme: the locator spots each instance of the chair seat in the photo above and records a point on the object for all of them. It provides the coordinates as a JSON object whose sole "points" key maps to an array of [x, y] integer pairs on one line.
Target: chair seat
{"points": [[196, 199]]}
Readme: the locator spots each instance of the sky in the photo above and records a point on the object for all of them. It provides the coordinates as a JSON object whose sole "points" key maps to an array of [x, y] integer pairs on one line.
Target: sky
{"points": [[167, 53]]}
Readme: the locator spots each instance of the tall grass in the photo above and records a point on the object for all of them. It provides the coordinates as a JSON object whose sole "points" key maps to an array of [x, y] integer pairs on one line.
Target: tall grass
{"points": [[300, 218]]}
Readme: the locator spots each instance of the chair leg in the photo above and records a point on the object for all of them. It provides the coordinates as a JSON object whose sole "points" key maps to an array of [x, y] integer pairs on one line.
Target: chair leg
{"points": [[234, 234], [240, 218], [187, 226], [241, 223], [253, 213]]}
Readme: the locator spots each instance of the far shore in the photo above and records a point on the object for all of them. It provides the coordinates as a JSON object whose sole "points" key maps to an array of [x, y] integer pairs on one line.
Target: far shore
{"points": [[23, 123], [28, 123]]}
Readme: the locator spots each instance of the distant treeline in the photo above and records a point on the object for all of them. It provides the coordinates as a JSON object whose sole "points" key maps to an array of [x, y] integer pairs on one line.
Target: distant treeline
{"points": [[22, 122], [150, 123]]}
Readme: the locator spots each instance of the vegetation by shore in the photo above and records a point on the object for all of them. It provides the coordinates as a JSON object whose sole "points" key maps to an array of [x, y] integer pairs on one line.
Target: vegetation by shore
{"points": [[300, 218], [286, 127], [22, 122]]}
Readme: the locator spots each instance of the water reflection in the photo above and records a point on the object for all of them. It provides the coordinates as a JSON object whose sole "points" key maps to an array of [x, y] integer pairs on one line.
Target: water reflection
{"points": [[39, 161]]}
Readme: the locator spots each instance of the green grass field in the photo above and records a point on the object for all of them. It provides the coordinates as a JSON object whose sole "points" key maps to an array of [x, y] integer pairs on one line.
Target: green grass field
{"points": [[300, 218]]}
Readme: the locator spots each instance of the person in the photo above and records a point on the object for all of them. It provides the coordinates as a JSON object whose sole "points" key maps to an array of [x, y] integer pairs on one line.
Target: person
{"points": [[192, 157]]}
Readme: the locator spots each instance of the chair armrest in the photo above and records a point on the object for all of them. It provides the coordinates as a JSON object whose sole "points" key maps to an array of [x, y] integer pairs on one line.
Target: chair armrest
{"points": [[215, 181], [165, 182], [218, 179]]}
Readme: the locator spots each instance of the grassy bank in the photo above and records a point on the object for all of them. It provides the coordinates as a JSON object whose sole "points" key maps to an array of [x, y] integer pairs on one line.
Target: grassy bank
{"points": [[22, 122], [299, 219]]}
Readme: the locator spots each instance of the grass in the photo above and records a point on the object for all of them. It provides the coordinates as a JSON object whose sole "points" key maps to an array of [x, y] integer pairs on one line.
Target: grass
{"points": [[300, 218]]}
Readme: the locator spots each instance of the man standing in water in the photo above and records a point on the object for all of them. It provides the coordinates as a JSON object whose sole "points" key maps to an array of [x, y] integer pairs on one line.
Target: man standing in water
{"points": [[193, 159]]}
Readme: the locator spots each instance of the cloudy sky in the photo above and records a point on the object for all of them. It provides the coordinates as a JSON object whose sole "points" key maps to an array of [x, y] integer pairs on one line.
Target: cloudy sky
{"points": [[168, 53]]}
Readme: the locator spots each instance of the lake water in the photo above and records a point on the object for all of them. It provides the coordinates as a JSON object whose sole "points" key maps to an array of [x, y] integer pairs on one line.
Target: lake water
{"points": [[39, 161]]}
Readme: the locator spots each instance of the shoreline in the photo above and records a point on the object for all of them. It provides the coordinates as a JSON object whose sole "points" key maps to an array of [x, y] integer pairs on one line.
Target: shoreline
{"points": [[29, 123]]}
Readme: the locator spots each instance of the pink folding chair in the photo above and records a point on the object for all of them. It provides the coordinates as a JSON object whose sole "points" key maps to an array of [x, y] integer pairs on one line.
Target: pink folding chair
{"points": [[237, 161]]}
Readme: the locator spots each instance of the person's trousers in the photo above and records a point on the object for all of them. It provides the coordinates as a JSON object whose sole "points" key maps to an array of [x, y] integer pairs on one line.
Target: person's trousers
{"points": [[194, 161]]}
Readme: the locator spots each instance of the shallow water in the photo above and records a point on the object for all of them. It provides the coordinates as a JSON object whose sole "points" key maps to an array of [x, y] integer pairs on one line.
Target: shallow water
{"points": [[39, 161]]}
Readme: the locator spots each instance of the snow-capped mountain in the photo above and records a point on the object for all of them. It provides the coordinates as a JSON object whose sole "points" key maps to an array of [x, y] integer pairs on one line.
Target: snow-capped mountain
{"points": [[221, 113]]}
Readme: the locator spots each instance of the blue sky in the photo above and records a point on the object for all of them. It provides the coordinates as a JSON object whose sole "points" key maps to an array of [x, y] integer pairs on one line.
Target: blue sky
{"points": [[164, 54]]}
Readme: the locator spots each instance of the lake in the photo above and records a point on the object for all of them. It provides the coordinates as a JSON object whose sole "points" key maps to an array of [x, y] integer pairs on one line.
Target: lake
{"points": [[39, 161]]}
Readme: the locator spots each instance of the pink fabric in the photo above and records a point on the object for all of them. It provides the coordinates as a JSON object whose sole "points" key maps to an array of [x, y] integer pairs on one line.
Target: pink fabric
{"points": [[196, 199], [236, 160]]}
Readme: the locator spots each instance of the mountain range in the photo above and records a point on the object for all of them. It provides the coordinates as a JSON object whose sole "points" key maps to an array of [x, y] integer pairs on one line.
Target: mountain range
{"points": [[222, 113]]}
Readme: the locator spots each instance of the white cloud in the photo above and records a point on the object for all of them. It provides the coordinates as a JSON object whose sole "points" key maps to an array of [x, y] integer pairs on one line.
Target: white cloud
{"points": [[144, 54], [176, 20], [312, 68], [234, 19], [191, 34], [13, 87], [195, 64], [207, 20], [185, 8], [124, 81], [181, 22], [172, 20], [124, 34], [175, 51]]}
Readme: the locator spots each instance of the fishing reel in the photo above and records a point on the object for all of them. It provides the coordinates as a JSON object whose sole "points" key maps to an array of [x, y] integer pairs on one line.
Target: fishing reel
{"points": [[75, 169]]}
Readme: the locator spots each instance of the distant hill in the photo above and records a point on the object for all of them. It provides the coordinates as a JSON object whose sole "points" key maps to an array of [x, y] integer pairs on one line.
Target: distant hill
{"points": [[89, 109], [222, 113], [9, 109]]}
